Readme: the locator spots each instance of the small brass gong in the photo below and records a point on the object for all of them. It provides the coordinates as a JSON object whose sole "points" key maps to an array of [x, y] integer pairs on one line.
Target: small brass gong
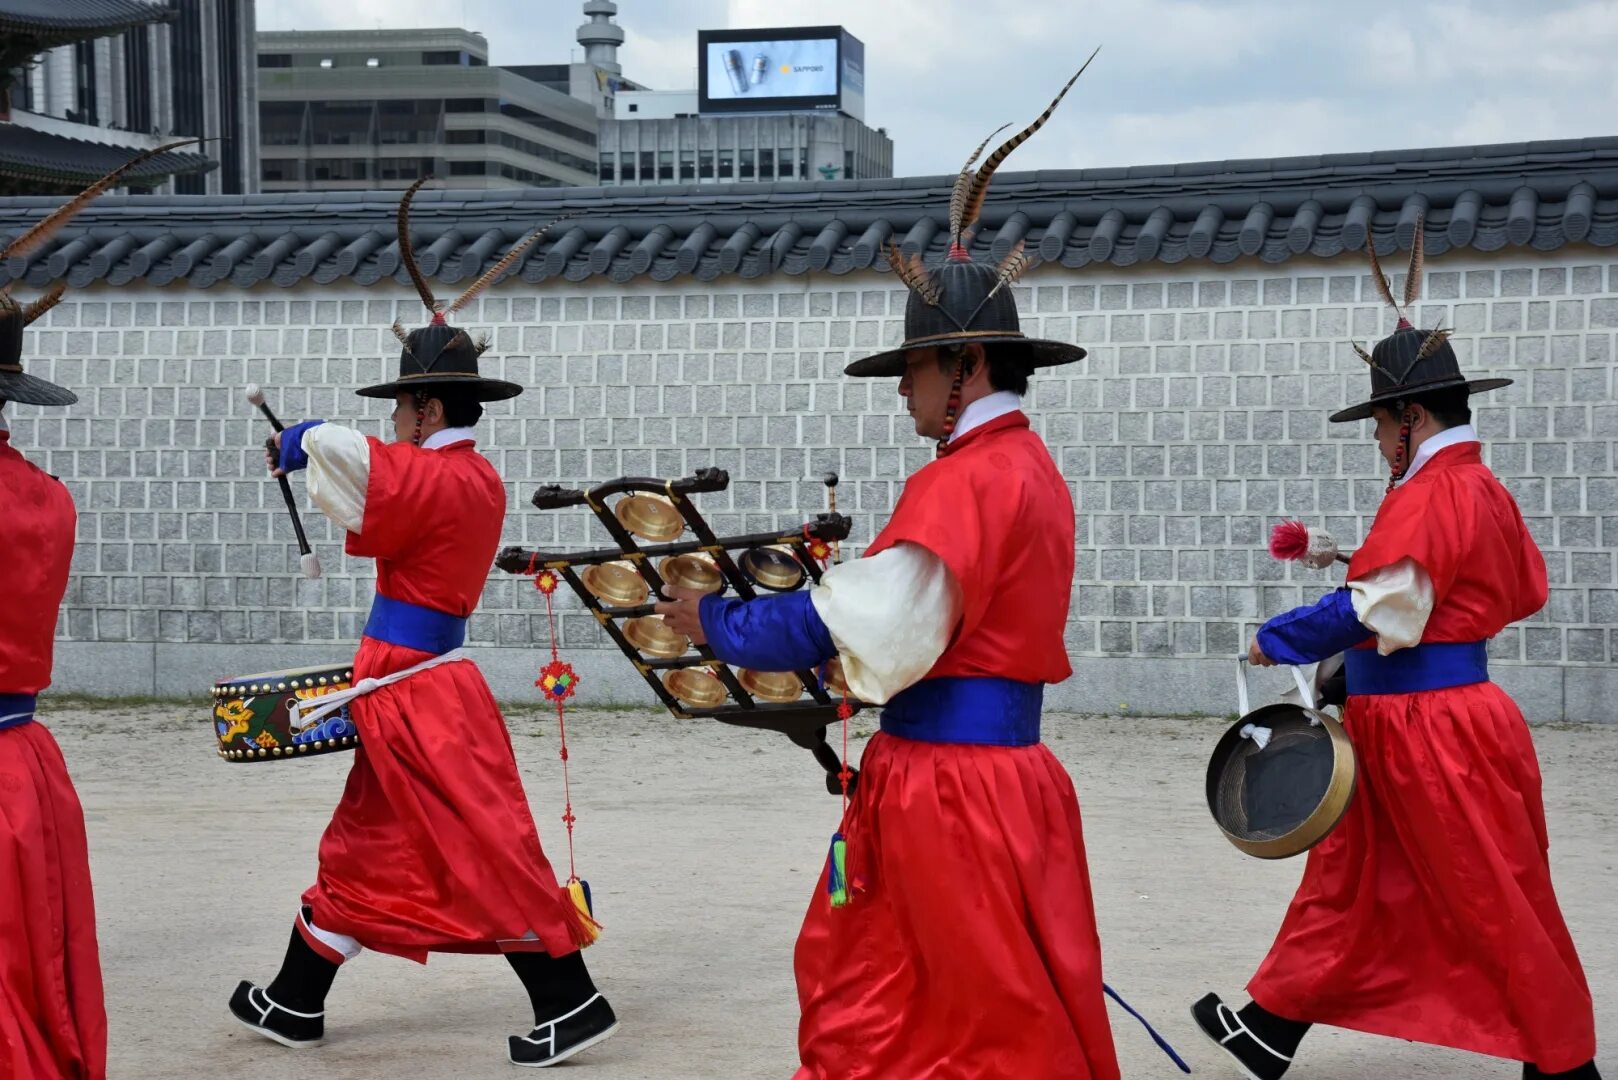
{"points": [[615, 583], [652, 636], [698, 688], [649, 517], [772, 568], [691, 572], [778, 687]]}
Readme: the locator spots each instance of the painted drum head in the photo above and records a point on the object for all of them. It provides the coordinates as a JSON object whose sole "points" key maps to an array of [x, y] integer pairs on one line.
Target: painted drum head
{"points": [[255, 716]]}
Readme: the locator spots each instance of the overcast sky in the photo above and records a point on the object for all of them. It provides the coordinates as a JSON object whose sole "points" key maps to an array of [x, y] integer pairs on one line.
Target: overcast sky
{"points": [[1176, 80]]}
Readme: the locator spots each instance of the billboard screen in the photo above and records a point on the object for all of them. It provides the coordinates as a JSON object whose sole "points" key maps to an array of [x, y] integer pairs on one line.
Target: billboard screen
{"points": [[851, 70], [775, 69]]}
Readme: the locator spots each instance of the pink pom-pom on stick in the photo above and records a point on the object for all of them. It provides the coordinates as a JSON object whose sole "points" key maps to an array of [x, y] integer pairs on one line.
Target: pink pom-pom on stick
{"points": [[1289, 541], [1293, 541]]}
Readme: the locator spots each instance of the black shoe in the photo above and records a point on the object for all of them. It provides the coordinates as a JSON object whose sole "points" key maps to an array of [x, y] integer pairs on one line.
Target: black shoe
{"points": [[253, 1007], [1587, 1071], [1225, 1030], [559, 1039]]}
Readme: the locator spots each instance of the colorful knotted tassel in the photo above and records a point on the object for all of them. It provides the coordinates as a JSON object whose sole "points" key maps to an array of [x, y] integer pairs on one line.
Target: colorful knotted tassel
{"points": [[837, 871], [585, 928], [558, 682]]}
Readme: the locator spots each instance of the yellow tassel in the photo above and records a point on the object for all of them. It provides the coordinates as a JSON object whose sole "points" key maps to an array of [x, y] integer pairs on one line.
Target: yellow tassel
{"points": [[586, 929]]}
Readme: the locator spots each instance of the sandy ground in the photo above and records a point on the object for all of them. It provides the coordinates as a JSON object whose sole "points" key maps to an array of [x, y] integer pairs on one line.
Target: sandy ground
{"points": [[702, 844]]}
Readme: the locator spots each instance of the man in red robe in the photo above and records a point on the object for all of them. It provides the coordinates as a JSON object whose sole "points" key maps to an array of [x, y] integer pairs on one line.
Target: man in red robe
{"points": [[432, 847], [956, 935], [53, 1022], [1428, 913]]}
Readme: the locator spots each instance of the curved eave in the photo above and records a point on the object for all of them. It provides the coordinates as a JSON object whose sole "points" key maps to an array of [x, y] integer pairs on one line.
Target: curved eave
{"points": [[1540, 196]]}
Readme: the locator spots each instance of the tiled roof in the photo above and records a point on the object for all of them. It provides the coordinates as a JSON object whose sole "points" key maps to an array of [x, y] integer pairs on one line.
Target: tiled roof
{"points": [[71, 20], [44, 157], [1542, 195]]}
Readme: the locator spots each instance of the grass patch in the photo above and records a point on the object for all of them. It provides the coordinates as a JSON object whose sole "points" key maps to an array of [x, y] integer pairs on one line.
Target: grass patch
{"points": [[51, 701]]}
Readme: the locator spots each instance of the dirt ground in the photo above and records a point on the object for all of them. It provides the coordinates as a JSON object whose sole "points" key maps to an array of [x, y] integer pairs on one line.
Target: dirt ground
{"points": [[701, 844]]}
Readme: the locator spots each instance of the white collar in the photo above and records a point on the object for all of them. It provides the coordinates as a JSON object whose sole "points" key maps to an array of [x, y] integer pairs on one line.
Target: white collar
{"points": [[446, 436], [1454, 436], [3, 425], [988, 407]]}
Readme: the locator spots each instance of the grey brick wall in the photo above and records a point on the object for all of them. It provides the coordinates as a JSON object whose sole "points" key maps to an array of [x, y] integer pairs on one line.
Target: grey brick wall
{"points": [[1197, 422]]}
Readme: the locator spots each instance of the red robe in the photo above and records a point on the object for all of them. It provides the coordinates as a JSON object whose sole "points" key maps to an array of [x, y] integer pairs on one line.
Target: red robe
{"points": [[432, 847], [970, 947], [1428, 913], [52, 1019]]}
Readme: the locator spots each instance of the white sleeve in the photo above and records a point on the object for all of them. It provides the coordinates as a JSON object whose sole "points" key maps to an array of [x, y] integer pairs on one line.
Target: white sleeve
{"points": [[891, 616], [1394, 604], [339, 470]]}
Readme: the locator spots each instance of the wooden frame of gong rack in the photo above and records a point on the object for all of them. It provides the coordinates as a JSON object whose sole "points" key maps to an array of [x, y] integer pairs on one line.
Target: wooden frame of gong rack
{"points": [[803, 721]]}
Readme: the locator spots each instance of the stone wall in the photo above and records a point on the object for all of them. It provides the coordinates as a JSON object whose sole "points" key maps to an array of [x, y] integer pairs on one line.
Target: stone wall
{"points": [[1199, 421]]}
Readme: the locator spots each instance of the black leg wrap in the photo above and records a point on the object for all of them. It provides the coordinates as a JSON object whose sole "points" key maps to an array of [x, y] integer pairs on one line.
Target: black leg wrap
{"points": [[1587, 1071], [1277, 1031], [555, 985], [305, 977]]}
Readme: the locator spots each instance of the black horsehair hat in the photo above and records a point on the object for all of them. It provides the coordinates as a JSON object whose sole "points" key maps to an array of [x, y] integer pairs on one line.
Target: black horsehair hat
{"points": [[1409, 363], [438, 355], [15, 383], [960, 301]]}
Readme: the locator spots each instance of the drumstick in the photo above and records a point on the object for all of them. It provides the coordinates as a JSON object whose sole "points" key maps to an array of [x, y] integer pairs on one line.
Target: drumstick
{"points": [[308, 561], [830, 480]]}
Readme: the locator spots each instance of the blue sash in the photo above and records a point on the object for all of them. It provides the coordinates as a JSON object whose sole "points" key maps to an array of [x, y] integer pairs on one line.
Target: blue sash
{"points": [[1433, 665], [412, 626], [16, 709], [978, 711]]}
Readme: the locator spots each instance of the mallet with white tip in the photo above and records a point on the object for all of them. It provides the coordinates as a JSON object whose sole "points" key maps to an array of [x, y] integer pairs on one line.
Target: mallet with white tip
{"points": [[308, 561]]}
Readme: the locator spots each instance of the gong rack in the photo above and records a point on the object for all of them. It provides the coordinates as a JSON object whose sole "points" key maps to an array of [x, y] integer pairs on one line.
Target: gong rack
{"points": [[648, 521]]}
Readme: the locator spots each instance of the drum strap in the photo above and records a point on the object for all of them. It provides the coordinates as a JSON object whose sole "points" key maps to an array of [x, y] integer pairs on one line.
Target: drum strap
{"points": [[16, 709], [312, 711]]}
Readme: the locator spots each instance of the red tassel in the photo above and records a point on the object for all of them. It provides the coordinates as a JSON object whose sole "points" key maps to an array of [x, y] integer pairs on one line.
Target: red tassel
{"points": [[1289, 541], [1401, 455], [952, 409]]}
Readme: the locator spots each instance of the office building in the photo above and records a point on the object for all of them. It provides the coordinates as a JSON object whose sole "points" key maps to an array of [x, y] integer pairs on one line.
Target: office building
{"points": [[366, 109], [86, 83], [771, 104]]}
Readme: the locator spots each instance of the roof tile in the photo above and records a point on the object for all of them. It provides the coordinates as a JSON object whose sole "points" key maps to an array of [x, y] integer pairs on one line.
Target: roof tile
{"points": [[1542, 195]]}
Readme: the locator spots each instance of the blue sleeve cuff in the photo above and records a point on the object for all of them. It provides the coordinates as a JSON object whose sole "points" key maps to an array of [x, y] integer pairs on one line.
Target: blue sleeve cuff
{"points": [[292, 456], [773, 633], [1307, 635]]}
